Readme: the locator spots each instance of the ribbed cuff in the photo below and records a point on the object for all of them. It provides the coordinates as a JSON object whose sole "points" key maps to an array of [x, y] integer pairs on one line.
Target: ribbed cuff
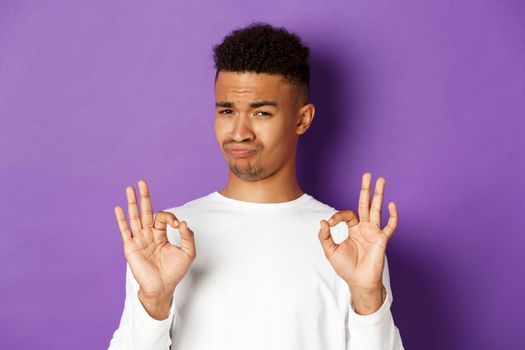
{"points": [[373, 318], [147, 332]]}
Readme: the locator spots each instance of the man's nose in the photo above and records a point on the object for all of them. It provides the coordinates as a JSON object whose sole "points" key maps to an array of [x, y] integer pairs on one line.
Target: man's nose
{"points": [[242, 129]]}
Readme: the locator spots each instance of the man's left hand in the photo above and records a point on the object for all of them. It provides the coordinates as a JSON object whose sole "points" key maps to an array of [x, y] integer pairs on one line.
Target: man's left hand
{"points": [[359, 259]]}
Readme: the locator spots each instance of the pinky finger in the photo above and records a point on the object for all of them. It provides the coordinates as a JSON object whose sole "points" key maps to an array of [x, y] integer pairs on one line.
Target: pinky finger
{"points": [[392, 220], [122, 224]]}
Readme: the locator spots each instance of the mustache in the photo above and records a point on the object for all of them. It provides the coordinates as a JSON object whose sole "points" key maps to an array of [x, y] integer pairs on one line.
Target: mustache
{"points": [[241, 144]]}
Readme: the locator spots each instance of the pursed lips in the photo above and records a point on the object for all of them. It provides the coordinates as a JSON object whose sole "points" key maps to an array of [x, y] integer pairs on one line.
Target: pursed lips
{"points": [[240, 152]]}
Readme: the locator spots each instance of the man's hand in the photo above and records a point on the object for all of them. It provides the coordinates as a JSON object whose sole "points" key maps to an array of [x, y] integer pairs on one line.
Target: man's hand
{"points": [[157, 265], [359, 259]]}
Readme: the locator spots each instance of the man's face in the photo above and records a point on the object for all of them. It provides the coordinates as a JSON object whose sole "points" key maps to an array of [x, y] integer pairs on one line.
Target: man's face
{"points": [[256, 122]]}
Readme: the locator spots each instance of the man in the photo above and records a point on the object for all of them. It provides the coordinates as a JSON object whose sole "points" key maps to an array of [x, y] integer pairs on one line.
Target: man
{"points": [[260, 268]]}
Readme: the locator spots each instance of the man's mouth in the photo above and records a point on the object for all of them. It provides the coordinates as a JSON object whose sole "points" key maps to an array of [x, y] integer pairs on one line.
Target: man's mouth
{"points": [[240, 152]]}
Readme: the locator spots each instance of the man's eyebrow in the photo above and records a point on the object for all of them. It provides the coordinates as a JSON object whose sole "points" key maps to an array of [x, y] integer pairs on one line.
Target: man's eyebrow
{"points": [[254, 104]]}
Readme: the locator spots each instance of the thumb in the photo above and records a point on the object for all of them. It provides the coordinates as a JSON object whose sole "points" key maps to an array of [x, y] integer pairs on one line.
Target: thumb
{"points": [[325, 237], [187, 239]]}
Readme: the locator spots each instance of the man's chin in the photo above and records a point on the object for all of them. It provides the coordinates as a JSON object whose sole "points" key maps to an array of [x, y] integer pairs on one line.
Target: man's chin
{"points": [[247, 173]]}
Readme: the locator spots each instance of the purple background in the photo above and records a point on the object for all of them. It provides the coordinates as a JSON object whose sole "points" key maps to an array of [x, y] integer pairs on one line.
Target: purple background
{"points": [[95, 95]]}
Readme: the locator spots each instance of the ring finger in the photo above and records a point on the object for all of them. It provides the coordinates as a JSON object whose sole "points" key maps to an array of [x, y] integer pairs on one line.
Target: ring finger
{"points": [[133, 209], [364, 198]]}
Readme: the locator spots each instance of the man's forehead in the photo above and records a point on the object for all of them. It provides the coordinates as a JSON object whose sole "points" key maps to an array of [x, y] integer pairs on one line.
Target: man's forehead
{"points": [[244, 82], [250, 87]]}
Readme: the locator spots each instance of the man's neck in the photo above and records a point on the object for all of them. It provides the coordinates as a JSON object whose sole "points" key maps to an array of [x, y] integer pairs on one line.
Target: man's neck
{"points": [[267, 190]]}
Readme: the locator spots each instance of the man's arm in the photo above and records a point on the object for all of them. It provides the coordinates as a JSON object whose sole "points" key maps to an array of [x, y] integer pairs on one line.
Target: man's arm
{"points": [[138, 330], [154, 266], [377, 330]]}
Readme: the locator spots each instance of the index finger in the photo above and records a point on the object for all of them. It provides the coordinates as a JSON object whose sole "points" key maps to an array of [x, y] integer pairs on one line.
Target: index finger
{"points": [[347, 216], [162, 219]]}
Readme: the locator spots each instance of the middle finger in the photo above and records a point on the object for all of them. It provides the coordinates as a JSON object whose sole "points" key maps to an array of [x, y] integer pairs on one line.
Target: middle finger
{"points": [[377, 201]]}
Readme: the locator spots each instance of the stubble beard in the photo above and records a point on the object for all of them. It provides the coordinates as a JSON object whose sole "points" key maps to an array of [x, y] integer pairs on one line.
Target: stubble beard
{"points": [[248, 172]]}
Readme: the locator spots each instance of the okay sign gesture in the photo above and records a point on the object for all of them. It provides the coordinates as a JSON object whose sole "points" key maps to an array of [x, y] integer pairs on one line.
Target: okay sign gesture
{"points": [[359, 259], [157, 265]]}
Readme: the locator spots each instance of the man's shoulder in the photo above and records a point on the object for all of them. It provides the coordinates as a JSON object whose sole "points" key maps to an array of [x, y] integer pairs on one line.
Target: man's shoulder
{"points": [[318, 205], [191, 204], [340, 231]]}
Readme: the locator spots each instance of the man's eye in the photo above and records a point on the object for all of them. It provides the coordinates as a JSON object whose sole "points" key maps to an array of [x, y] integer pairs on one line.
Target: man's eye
{"points": [[264, 113], [225, 111]]}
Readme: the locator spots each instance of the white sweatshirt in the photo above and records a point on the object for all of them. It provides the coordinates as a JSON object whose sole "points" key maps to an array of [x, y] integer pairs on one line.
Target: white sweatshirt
{"points": [[260, 281]]}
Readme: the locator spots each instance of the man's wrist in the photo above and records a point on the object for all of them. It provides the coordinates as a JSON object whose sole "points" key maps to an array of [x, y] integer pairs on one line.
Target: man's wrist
{"points": [[366, 301], [157, 307]]}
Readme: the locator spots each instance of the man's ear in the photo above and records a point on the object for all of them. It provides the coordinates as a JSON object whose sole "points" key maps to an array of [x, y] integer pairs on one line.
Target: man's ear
{"points": [[305, 116]]}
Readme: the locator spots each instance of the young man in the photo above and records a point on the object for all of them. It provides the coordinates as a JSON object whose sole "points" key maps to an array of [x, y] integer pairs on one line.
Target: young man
{"points": [[260, 268]]}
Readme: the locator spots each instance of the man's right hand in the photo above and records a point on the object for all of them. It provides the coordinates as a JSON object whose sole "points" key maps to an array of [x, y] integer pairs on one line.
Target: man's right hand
{"points": [[157, 265]]}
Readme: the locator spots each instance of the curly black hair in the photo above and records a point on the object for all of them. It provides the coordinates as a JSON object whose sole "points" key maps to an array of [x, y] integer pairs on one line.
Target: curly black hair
{"points": [[263, 48]]}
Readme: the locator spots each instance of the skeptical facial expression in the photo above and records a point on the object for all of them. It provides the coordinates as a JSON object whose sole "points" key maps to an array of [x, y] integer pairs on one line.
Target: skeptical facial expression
{"points": [[256, 122]]}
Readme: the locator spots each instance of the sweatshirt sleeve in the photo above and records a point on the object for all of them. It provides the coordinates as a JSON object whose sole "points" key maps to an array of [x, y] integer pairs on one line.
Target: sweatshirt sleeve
{"points": [[376, 331], [137, 329]]}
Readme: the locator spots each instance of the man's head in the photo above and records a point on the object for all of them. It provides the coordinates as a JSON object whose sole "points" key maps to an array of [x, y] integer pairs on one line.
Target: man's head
{"points": [[261, 93]]}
